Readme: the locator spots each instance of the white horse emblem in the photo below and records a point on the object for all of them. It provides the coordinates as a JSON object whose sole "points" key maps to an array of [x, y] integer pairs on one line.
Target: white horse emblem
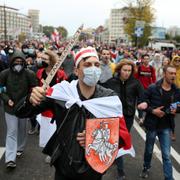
{"points": [[101, 144]]}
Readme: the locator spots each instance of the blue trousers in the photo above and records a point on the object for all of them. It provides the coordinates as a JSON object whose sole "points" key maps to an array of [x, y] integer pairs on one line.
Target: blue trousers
{"points": [[165, 144]]}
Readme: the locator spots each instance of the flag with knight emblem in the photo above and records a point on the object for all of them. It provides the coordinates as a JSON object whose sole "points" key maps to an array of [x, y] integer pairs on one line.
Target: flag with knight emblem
{"points": [[103, 109]]}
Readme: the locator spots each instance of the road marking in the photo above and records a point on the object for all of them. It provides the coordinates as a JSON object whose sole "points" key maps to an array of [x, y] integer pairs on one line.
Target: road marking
{"points": [[157, 152], [2, 150], [175, 155]]}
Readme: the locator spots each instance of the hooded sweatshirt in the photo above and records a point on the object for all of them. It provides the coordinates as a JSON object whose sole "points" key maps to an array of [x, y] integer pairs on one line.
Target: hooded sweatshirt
{"points": [[18, 84], [177, 81]]}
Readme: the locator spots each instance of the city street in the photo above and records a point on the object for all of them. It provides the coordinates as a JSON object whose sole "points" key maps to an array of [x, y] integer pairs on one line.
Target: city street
{"points": [[66, 51], [31, 166]]}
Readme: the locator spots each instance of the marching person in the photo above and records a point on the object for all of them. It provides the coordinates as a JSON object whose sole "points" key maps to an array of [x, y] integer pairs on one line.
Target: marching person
{"points": [[73, 103], [158, 122], [18, 82], [47, 61], [157, 64], [3, 59], [107, 67], [146, 74], [130, 91], [176, 63], [165, 62]]}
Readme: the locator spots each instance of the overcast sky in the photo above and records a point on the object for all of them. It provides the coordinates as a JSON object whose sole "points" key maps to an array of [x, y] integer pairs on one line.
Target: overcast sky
{"points": [[72, 13]]}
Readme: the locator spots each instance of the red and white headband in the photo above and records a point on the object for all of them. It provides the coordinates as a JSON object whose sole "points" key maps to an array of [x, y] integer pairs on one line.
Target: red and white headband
{"points": [[83, 53]]}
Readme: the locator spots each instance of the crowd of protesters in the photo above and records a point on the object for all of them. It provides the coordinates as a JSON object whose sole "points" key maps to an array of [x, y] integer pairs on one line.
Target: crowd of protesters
{"points": [[136, 75]]}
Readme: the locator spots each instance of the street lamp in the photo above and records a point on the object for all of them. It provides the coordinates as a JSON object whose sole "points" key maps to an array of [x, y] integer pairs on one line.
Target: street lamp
{"points": [[5, 27]]}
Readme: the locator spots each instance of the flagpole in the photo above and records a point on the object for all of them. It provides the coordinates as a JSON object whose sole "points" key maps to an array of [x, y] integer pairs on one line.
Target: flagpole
{"points": [[58, 64]]}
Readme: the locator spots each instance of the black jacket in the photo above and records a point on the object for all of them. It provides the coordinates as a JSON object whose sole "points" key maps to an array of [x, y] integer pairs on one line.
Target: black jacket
{"points": [[129, 91], [18, 85], [2, 65], [154, 97], [66, 154]]}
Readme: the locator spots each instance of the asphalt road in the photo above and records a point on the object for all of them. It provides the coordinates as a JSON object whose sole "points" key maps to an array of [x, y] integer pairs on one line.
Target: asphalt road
{"points": [[31, 166]]}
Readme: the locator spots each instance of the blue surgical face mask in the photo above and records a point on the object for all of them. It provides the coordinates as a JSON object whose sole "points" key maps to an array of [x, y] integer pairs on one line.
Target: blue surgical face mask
{"points": [[91, 75], [31, 51]]}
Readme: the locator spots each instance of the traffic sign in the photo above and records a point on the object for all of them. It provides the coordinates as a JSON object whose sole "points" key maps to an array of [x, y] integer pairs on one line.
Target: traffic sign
{"points": [[139, 31]]}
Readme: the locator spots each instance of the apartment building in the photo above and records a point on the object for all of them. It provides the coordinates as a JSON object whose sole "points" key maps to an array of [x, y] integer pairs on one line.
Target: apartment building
{"points": [[34, 15], [12, 23], [116, 24]]}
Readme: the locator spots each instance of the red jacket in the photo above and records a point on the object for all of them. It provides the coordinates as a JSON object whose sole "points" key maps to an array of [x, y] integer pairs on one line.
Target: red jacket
{"points": [[60, 76], [146, 75]]}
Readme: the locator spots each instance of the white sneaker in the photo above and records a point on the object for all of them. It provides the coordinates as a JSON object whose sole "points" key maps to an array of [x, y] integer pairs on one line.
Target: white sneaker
{"points": [[48, 159], [10, 164], [19, 153]]}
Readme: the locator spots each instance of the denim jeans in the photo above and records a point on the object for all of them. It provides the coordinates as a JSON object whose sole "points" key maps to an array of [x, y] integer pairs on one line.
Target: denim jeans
{"points": [[165, 144]]}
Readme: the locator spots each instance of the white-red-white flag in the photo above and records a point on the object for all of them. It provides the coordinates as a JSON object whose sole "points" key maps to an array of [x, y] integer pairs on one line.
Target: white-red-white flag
{"points": [[100, 107], [55, 36]]}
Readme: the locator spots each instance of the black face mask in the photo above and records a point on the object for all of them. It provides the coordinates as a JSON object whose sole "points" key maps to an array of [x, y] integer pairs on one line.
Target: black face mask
{"points": [[41, 49], [42, 64], [59, 54]]}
